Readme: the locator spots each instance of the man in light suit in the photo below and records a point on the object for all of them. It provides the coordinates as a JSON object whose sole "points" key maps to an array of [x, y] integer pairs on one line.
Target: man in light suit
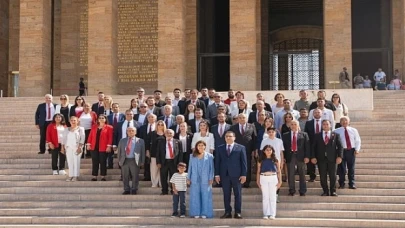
{"points": [[142, 116], [175, 108], [43, 117], [167, 117], [212, 109], [131, 156], [254, 116], [230, 171]]}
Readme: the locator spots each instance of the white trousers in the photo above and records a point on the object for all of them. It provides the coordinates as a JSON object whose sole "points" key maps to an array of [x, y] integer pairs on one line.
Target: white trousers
{"points": [[73, 161], [154, 173], [269, 193]]}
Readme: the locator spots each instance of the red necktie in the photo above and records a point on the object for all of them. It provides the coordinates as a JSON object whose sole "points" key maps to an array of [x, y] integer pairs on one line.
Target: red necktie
{"points": [[229, 150], [347, 138], [115, 119], [326, 138], [317, 127], [49, 111], [169, 144], [294, 142], [128, 149], [221, 130]]}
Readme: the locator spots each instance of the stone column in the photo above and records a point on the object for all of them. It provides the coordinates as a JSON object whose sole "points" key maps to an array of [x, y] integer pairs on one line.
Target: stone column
{"points": [[4, 45], [191, 44], [243, 40], [14, 40], [102, 46], [398, 32], [337, 39], [35, 47], [171, 44]]}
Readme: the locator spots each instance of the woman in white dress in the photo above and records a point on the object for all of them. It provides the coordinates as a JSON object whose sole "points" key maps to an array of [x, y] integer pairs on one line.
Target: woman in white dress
{"points": [[72, 144], [205, 136]]}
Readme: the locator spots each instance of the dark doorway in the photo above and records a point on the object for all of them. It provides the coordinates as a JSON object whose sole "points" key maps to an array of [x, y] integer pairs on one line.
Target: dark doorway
{"points": [[371, 37], [213, 44]]}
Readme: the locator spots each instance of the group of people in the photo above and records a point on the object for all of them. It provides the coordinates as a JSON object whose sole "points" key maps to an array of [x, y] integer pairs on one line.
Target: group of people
{"points": [[203, 141], [380, 81]]}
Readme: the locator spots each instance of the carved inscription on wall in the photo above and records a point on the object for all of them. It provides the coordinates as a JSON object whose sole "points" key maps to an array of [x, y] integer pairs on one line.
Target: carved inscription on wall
{"points": [[137, 45], [83, 41]]}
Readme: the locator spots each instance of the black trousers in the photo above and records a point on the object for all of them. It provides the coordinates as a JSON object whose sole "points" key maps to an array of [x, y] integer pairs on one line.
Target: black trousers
{"points": [[99, 161], [86, 137], [311, 170], [327, 168], [62, 159], [249, 169], [110, 160], [166, 171], [146, 166], [42, 140]]}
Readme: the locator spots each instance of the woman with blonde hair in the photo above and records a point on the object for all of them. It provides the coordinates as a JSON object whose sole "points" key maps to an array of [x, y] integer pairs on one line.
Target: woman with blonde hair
{"points": [[152, 141], [64, 108], [72, 145], [243, 107], [107, 103]]}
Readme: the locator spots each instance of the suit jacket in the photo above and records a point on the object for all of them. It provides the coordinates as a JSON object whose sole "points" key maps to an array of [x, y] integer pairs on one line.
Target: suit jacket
{"points": [[212, 110], [72, 112], [214, 121], [121, 117], [310, 129], [248, 139], [145, 122], [219, 140], [328, 105], [188, 140], [182, 106], [106, 137], [142, 132], [175, 110], [234, 165], [173, 120], [206, 100], [267, 107], [40, 114], [139, 149], [161, 152], [252, 116], [117, 135], [332, 150], [160, 103], [303, 146], [96, 109], [200, 104], [207, 171], [194, 129], [157, 112]]}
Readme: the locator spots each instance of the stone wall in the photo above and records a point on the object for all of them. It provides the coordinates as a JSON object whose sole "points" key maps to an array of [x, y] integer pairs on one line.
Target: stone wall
{"points": [[4, 45], [398, 33]]}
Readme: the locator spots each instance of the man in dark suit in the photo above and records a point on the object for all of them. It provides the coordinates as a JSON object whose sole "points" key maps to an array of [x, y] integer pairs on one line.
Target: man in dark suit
{"points": [[328, 104], [195, 123], [120, 130], [176, 126], [183, 102], [253, 116], [230, 171], [115, 117], [152, 108], [219, 130], [43, 117], [327, 151], [245, 134], [98, 107], [221, 109], [198, 103], [296, 153], [204, 96], [142, 116], [169, 154], [144, 130], [158, 95], [213, 108], [313, 127], [167, 117]]}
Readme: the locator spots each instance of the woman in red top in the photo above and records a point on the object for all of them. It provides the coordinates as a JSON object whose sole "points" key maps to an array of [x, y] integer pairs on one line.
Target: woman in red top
{"points": [[54, 137], [77, 108], [100, 143]]}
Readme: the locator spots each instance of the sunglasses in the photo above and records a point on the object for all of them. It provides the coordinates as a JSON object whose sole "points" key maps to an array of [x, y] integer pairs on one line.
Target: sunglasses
{"points": [[160, 124], [63, 98], [79, 99], [142, 107]]}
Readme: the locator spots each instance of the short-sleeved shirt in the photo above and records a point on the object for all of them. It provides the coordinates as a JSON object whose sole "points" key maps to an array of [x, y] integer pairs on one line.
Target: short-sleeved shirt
{"points": [[276, 143], [180, 181]]}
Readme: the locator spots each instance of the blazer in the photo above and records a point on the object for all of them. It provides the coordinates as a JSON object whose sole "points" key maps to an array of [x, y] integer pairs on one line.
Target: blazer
{"points": [[182, 104], [199, 104], [212, 110], [210, 141], [117, 131], [139, 149], [194, 129], [136, 117], [332, 150], [142, 132], [234, 165], [219, 140], [328, 105], [40, 114], [267, 107], [214, 121], [175, 110], [156, 111], [310, 129], [303, 146], [206, 100], [80, 137], [161, 152], [189, 139], [96, 109], [252, 116], [160, 103], [106, 137], [152, 142], [52, 135], [201, 177], [173, 120], [72, 112], [121, 117], [248, 139]]}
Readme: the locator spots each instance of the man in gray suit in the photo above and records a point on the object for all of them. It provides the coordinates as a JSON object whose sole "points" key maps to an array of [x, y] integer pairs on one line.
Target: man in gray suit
{"points": [[175, 108], [131, 156], [212, 109]]}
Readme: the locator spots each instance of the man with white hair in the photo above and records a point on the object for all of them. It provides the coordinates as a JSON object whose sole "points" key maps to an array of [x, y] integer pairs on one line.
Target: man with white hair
{"points": [[167, 116], [43, 117]]}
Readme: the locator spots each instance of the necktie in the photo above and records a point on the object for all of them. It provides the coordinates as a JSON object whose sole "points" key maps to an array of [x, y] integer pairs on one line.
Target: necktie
{"points": [[167, 121], [294, 143], [229, 150], [128, 149], [326, 138], [178, 129], [150, 128], [128, 125], [242, 131], [115, 119], [317, 127], [347, 138], [49, 111], [169, 144], [221, 130]]}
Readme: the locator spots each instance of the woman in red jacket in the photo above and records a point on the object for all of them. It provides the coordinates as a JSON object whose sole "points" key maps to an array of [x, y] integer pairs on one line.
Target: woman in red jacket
{"points": [[100, 143], [54, 137]]}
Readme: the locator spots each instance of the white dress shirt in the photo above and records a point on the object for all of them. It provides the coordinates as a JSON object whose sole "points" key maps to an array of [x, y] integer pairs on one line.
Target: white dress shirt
{"points": [[327, 114], [151, 127], [231, 148], [221, 126], [240, 128], [326, 133], [47, 106], [354, 136], [167, 149], [175, 102], [125, 126], [141, 118]]}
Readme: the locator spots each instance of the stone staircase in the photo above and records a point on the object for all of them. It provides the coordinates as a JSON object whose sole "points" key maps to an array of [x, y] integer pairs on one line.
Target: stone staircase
{"points": [[30, 196]]}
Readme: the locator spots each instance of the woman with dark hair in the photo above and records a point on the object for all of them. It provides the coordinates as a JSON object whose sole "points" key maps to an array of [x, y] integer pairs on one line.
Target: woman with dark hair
{"points": [[279, 98], [100, 143], [134, 106], [235, 104], [341, 109], [288, 117], [152, 142], [189, 114], [269, 180], [204, 135], [77, 108], [185, 138], [54, 138], [200, 178]]}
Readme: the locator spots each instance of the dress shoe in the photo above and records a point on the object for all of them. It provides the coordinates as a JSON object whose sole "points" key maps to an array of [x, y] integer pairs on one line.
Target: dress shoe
{"points": [[146, 179], [103, 179], [41, 152], [225, 216], [164, 193], [291, 194], [352, 187], [325, 194], [333, 194], [133, 192], [126, 193], [237, 216], [311, 180], [341, 187], [302, 194], [94, 179], [246, 186]]}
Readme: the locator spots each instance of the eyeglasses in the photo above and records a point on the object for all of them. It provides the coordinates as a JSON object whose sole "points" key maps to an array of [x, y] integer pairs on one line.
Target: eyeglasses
{"points": [[142, 107], [140, 91], [78, 99], [160, 124], [63, 98]]}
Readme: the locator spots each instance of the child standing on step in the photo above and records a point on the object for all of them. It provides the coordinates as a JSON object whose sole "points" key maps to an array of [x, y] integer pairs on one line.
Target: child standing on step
{"points": [[179, 186]]}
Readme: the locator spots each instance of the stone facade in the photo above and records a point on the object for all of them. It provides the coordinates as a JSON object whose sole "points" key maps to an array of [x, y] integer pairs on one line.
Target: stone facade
{"points": [[4, 42], [14, 41], [398, 32]]}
